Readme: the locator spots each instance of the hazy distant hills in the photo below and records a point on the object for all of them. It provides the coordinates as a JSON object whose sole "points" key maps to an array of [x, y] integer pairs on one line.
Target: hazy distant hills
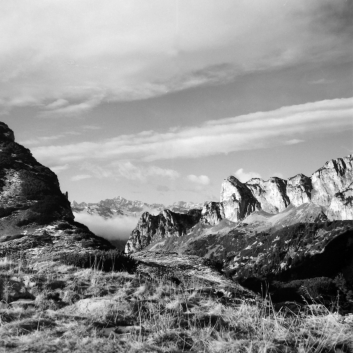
{"points": [[114, 219], [120, 206]]}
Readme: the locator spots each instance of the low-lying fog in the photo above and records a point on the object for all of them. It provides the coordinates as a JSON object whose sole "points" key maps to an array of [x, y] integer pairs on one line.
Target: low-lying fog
{"points": [[117, 230]]}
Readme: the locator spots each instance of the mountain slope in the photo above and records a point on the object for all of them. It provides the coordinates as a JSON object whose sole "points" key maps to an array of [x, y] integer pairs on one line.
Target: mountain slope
{"points": [[34, 213]]}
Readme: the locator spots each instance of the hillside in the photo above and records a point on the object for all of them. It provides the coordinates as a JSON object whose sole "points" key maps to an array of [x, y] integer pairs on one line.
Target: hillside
{"points": [[64, 289]]}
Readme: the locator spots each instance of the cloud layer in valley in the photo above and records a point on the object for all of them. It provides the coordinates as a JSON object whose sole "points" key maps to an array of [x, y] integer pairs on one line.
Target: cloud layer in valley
{"points": [[118, 228]]}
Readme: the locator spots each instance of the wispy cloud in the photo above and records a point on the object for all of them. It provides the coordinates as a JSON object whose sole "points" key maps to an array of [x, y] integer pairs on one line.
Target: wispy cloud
{"points": [[128, 170], [66, 60], [81, 177], [59, 168], [245, 132], [244, 176], [293, 141], [201, 179]]}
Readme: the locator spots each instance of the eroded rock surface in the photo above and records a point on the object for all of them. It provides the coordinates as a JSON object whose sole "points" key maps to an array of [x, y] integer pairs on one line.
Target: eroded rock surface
{"points": [[34, 213], [326, 195], [165, 225]]}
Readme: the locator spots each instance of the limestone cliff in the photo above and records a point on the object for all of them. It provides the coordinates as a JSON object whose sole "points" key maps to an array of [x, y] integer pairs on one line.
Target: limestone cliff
{"points": [[299, 189], [326, 195], [237, 199], [332, 187], [212, 213], [271, 194], [167, 224]]}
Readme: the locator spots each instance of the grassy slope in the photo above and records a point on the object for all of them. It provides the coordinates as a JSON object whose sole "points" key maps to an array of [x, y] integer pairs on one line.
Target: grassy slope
{"points": [[86, 310]]}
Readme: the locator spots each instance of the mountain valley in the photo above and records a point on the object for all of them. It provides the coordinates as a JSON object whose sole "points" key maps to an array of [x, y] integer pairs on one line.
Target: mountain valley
{"points": [[270, 265]]}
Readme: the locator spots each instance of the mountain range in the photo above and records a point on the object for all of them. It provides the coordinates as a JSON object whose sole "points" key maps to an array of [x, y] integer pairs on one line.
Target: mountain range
{"points": [[274, 231], [120, 206]]}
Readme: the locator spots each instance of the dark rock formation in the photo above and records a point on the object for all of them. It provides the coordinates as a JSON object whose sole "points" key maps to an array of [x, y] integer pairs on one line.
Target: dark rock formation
{"points": [[33, 210], [212, 213], [167, 224]]}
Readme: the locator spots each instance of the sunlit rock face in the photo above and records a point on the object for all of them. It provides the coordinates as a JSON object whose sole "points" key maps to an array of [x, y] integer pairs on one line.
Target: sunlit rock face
{"points": [[166, 224], [298, 189], [332, 187], [271, 194], [237, 199], [327, 195], [212, 213]]}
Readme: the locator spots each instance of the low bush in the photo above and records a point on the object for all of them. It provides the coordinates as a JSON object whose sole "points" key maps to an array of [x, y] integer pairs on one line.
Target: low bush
{"points": [[216, 265], [106, 261]]}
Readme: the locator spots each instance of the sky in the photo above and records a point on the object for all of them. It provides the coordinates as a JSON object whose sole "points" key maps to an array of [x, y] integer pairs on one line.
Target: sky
{"points": [[161, 100]]}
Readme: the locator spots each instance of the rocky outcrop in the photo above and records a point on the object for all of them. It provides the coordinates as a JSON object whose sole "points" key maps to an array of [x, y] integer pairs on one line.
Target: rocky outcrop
{"points": [[327, 195], [299, 189], [237, 199], [212, 213], [33, 210], [167, 224], [332, 187], [271, 194]]}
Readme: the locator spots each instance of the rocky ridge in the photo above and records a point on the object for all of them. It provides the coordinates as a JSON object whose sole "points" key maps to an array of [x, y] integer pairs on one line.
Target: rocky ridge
{"points": [[328, 192], [35, 216]]}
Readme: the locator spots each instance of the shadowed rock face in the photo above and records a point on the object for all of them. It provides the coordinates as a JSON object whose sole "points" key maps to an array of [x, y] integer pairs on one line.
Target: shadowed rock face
{"points": [[212, 213], [237, 199], [33, 210], [165, 225], [30, 192]]}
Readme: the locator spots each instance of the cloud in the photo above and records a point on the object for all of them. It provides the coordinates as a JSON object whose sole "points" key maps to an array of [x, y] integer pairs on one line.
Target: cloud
{"points": [[245, 176], [111, 229], [40, 140], [66, 59], [128, 170], [245, 132], [162, 188], [202, 179], [59, 168], [81, 177], [293, 141]]}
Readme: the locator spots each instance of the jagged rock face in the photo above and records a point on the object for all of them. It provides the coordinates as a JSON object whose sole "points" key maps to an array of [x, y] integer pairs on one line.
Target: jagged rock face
{"points": [[332, 187], [166, 224], [212, 213], [237, 200], [299, 189], [33, 210], [271, 194], [327, 195], [30, 192]]}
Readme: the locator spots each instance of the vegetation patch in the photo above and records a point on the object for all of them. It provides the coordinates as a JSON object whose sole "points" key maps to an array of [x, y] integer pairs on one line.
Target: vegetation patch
{"points": [[106, 261]]}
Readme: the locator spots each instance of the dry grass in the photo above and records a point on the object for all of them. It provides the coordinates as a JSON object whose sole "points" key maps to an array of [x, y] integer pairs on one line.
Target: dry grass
{"points": [[85, 310]]}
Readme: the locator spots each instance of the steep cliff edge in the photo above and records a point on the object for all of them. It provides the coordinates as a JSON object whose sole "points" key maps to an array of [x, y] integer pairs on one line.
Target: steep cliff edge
{"points": [[167, 224], [237, 199], [326, 195], [33, 210]]}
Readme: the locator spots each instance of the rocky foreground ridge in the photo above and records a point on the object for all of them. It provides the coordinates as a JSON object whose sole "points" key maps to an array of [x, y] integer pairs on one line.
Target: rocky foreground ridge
{"points": [[35, 216]]}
